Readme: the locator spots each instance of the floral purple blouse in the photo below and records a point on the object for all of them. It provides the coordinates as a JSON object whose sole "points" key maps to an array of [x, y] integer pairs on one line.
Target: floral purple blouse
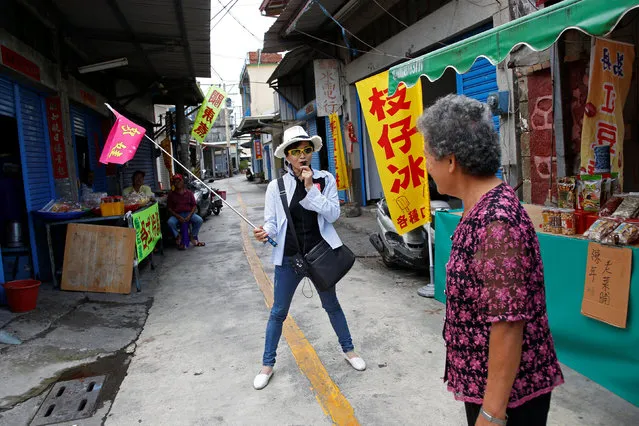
{"points": [[495, 274]]}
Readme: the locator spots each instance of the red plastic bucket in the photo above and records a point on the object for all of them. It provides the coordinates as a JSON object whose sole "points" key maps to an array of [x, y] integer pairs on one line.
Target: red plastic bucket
{"points": [[22, 295]]}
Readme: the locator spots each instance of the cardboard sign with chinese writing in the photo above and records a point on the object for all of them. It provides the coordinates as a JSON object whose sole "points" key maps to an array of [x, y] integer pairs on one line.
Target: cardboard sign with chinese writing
{"points": [[398, 149], [611, 65], [341, 173], [327, 86], [56, 138], [147, 230], [208, 113], [123, 141], [607, 286]]}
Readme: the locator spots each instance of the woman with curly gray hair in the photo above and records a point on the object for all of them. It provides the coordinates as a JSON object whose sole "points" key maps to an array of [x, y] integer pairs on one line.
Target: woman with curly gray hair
{"points": [[500, 356]]}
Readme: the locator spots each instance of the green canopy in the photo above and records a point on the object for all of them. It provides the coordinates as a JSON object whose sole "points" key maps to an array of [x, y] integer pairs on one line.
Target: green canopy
{"points": [[539, 31]]}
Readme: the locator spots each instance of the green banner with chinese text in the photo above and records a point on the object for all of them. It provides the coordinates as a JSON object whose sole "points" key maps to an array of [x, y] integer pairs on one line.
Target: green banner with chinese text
{"points": [[208, 113], [147, 230]]}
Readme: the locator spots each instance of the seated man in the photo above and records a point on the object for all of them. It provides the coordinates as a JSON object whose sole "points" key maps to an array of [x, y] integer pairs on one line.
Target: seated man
{"points": [[138, 185], [182, 207]]}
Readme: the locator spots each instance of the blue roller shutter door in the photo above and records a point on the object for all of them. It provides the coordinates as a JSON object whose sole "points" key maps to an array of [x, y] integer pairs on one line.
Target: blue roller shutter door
{"points": [[311, 125], [36, 166], [7, 101], [87, 125], [479, 82]]}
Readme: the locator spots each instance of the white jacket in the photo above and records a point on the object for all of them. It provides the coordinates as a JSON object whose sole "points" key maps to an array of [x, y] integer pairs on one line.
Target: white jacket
{"points": [[325, 203]]}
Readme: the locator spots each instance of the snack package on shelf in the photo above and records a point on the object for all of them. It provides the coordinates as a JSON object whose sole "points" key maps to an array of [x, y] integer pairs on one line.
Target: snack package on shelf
{"points": [[65, 206], [601, 228], [611, 206], [566, 191], [626, 233], [92, 200], [138, 199], [591, 193], [629, 208]]}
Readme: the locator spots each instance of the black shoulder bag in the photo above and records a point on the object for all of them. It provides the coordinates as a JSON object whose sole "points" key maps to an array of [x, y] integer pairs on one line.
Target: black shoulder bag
{"points": [[324, 265]]}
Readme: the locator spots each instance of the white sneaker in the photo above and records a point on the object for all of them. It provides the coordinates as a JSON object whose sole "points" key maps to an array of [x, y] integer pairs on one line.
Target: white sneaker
{"points": [[356, 362], [261, 380]]}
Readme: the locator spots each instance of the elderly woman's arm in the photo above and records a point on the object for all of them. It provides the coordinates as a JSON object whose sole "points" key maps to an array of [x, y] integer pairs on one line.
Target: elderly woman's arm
{"points": [[505, 302], [504, 356]]}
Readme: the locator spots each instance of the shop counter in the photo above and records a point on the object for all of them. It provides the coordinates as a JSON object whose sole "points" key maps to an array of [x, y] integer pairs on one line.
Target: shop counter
{"points": [[100, 220], [605, 354]]}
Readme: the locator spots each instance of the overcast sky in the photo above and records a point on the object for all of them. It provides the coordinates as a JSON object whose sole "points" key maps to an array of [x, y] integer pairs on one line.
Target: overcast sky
{"points": [[230, 43]]}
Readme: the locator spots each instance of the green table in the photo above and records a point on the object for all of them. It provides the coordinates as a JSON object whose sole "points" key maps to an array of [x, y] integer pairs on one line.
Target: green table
{"points": [[605, 354]]}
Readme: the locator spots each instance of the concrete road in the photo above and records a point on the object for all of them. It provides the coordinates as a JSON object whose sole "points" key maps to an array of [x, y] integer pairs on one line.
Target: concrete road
{"points": [[202, 344]]}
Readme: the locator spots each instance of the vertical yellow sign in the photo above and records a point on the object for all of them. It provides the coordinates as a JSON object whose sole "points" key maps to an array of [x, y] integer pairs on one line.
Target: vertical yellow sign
{"points": [[611, 65], [208, 113], [341, 172], [398, 149]]}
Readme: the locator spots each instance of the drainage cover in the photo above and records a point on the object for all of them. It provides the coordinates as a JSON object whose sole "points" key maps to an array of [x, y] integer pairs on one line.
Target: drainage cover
{"points": [[70, 400]]}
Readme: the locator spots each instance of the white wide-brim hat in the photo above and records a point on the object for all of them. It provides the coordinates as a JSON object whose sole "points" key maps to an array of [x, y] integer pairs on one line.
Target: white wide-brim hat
{"points": [[296, 134]]}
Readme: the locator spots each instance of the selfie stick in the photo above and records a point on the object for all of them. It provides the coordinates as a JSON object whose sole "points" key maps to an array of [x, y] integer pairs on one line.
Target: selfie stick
{"points": [[270, 240]]}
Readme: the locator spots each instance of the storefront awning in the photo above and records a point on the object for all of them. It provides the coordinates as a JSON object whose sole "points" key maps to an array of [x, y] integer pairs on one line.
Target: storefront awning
{"points": [[256, 124], [539, 31]]}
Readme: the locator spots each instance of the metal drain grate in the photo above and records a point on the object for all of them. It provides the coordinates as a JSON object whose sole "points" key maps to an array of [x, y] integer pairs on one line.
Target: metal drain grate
{"points": [[70, 400]]}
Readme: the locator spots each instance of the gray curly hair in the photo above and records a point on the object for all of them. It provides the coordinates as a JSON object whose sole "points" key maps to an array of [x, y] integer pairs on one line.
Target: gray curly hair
{"points": [[463, 127]]}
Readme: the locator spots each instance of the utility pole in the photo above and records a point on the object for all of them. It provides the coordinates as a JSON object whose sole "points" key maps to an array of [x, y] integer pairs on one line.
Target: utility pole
{"points": [[227, 125]]}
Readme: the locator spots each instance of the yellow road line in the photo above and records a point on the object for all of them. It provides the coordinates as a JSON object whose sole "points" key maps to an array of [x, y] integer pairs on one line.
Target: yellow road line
{"points": [[330, 398]]}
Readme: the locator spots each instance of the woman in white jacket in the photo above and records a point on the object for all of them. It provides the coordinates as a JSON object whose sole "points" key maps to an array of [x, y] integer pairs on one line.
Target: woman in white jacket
{"points": [[314, 206]]}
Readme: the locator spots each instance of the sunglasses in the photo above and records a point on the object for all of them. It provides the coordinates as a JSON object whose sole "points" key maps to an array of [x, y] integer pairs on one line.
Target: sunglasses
{"points": [[296, 152]]}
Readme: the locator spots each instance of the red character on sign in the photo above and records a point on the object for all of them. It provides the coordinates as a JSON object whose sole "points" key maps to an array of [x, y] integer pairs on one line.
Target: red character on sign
{"points": [[413, 216], [398, 101], [414, 172], [606, 133], [378, 102], [216, 99], [609, 105], [385, 143], [406, 133], [202, 130], [144, 235], [402, 221], [208, 115]]}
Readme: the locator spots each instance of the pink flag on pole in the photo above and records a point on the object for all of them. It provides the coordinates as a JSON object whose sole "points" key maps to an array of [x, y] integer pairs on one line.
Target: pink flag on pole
{"points": [[124, 139]]}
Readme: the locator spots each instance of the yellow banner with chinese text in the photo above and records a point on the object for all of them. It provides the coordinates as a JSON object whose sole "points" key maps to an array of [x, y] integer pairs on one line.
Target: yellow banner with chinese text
{"points": [[341, 172], [398, 148], [611, 65], [208, 113]]}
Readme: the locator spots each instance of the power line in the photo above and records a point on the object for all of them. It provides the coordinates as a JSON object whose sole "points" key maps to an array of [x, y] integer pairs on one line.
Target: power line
{"points": [[220, 11], [390, 14], [225, 13], [242, 25], [348, 48], [343, 28]]}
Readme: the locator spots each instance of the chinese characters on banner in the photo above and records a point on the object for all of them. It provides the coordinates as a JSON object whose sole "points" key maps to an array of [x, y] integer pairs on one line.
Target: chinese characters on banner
{"points": [[147, 230], [56, 138], [258, 149], [327, 86], [123, 141], [341, 172], [607, 284], [208, 113], [16, 61], [611, 65], [398, 149]]}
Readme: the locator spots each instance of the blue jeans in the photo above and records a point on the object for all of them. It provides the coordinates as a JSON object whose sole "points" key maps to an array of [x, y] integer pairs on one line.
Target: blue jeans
{"points": [[286, 281], [196, 222]]}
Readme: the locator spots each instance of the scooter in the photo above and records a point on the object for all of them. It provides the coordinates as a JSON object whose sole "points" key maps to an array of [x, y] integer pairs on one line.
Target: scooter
{"points": [[409, 250], [217, 203], [202, 198]]}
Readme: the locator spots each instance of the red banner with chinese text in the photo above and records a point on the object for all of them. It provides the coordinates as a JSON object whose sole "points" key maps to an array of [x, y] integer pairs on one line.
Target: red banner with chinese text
{"points": [[258, 149], [611, 65], [123, 141], [56, 138], [398, 149]]}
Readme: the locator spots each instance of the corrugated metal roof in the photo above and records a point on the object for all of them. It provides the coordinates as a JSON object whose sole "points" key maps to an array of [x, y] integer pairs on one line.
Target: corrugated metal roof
{"points": [[155, 26]]}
